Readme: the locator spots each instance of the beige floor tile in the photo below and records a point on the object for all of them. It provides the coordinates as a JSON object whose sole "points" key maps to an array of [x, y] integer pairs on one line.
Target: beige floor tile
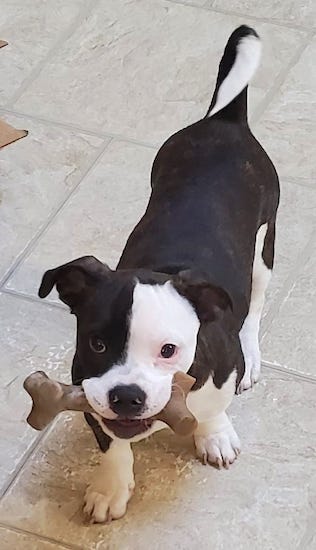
{"points": [[33, 337], [295, 12], [295, 224], [264, 502], [291, 339], [12, 540], [143, 69], [98, 218], [37, 173], [149, 75], [288, 126], [31, 28]]}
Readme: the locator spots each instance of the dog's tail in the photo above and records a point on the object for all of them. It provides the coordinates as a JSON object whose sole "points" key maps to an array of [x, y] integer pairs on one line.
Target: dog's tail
{"points": [[238, 65]]}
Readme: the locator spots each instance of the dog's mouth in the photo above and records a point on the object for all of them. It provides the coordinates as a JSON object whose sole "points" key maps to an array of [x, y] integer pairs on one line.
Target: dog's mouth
{"points": [[126, 428]]}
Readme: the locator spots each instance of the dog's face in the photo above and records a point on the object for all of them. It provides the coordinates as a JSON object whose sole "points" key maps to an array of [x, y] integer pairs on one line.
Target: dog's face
{"points": [[135, 329]]}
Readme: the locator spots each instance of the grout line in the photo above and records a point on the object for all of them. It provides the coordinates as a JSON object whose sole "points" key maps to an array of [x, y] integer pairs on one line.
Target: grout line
{"points": [[60, 544], [211, 8], [31, 298], [83, 12], [44, 227], [288, 284], [73, 127], [280, 79], [11, 478], [290, 372], [43, 435], [206, 6]]}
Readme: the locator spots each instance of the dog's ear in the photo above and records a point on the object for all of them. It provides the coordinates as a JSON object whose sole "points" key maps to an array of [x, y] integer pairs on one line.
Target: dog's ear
{"points": [[73, 279], [208, 300]]}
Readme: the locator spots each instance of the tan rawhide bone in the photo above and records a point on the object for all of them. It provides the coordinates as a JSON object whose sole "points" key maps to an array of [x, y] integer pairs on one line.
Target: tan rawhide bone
{"points": [[50, 398]]}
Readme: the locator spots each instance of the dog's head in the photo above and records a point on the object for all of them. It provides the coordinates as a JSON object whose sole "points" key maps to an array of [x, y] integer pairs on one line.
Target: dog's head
{"points": [[135, 329]]}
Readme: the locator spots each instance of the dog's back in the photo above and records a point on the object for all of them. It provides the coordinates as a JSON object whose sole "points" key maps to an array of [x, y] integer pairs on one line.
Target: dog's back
{"points": [[213, 186]]}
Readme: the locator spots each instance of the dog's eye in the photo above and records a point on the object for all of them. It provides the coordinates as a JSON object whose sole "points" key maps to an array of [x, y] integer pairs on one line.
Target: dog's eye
{"points": [[168, 350], [97, 345]]}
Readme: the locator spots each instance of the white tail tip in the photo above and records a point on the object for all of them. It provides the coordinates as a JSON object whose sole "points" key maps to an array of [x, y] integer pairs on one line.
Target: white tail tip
{"points": [[245, 65]]}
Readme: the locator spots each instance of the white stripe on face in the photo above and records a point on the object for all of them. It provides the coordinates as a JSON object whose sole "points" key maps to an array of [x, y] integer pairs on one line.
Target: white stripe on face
{"points": [[159, 316]]}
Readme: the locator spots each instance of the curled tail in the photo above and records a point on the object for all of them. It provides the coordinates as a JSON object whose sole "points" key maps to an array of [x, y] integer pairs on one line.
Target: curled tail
{"points": [[237, 67]]}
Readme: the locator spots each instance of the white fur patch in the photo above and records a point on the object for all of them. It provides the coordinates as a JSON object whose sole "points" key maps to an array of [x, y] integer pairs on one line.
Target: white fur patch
{"points": [[210, 401], [245, 65], [108, 494], [159, 315], [215, 438], [249, 334]]}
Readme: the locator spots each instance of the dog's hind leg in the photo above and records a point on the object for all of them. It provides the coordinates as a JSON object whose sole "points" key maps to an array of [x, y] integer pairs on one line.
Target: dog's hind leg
{"points": [[261, 274]]}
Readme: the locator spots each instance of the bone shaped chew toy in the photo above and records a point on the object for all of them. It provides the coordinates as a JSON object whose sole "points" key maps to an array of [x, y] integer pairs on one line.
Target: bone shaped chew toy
{"points": [[50, 398]]}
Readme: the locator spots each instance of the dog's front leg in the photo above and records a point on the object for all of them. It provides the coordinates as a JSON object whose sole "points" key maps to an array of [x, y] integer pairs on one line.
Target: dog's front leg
{"points": [[216, 441], [112, 486]]}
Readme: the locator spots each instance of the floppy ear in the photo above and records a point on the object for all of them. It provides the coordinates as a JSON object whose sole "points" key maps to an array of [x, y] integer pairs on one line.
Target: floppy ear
{"points": [[208, 300], [73, 279]]}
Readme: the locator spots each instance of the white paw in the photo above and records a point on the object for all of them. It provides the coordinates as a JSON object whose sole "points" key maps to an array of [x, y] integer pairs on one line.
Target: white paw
{"points": [[252, 372], [105, 502], [220, 448], [252, 356]]}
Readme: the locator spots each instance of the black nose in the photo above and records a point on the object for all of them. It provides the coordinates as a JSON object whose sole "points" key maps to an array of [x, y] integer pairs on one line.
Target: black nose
{"points": [[127, 400]]}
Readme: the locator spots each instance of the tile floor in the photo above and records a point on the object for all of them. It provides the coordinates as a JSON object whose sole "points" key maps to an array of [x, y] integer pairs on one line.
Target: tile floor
{"points": [[100, 84]]}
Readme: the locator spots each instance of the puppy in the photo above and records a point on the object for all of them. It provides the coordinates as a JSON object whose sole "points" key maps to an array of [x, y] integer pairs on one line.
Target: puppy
{"points": [[187, 293]]}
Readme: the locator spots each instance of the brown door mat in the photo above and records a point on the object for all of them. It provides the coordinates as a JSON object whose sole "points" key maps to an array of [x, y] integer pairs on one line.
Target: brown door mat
{"points": [[8, 134]]}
